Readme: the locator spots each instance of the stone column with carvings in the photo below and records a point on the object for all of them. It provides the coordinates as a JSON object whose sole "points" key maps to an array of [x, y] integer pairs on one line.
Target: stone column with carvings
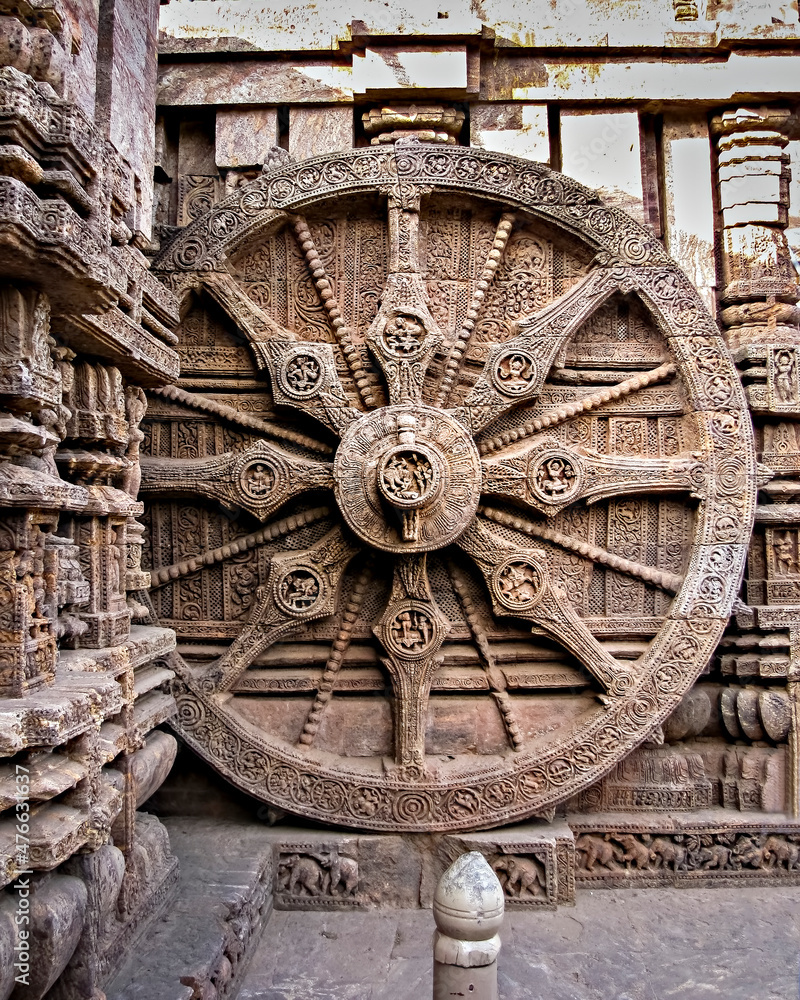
{"points": [[84, 326], [761, 321]]}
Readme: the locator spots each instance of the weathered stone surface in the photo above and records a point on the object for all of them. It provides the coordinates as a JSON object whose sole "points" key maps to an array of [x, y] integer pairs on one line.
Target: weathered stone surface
{"points": [[501, 459], [57, 914], [388, 478], [150, 765], [246, 82], [641, 944], [314, 131], [602, 151], [206, 939], [243, 137], [399, 69], [689, 215], [8, 939]]}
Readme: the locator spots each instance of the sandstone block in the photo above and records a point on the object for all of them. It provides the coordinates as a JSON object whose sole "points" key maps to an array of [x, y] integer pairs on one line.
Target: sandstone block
{"points": [[743, 189], [401, 69], [151, 765], [8, 938], [313, 131], [519, 129], [688, 204], [243, 137], [49, 61], [16, 47]]}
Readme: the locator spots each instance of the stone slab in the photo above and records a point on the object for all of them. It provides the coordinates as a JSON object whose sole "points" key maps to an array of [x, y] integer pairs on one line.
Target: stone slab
{"points": [[314, 131], [409, 68], [643, 944], [247, 81], [207, 936], [506, 127], [602, 151], [689, 206], [243, 137]]}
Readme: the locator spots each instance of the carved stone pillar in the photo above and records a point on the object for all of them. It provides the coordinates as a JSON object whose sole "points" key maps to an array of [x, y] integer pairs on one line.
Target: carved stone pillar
{"points": [[762, 326], [759, 284]]}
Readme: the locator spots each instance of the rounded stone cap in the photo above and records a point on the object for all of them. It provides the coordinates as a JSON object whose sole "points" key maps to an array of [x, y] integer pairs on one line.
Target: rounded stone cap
{"points": [[469, 902]]}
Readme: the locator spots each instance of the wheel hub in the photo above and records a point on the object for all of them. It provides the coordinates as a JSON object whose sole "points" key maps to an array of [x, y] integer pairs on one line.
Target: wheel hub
{"points": [[407, 478]]}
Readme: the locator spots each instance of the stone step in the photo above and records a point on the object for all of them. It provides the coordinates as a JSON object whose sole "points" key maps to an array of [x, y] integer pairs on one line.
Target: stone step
{"points": [[199, 948]]}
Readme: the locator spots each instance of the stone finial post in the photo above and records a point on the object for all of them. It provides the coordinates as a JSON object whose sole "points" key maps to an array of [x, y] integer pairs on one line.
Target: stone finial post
{"points": [[468, 909]]}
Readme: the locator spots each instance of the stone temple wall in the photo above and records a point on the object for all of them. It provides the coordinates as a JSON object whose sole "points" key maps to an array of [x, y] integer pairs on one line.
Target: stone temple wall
{"points": [[191, 311], [84, 329]]}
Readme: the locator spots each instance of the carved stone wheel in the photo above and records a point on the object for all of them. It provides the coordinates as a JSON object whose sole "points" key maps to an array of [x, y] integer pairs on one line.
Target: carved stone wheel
{"points": [[451, 506]]}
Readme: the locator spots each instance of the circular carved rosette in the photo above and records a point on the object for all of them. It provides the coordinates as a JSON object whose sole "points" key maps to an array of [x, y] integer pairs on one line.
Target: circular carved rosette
{"points": [[481, 430]]}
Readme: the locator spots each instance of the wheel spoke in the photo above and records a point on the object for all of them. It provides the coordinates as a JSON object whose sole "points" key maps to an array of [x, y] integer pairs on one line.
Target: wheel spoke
{"points": [[336, 657], [324, 285], [257, 325], [459, 348], [301, 587], [520, 586], [494, 676], [670, 582], [404, 335], [591, 402], [411, 630], [304, 377], [259, 479], [233, 416], [549, 477], [515, 371], [284, 526]]}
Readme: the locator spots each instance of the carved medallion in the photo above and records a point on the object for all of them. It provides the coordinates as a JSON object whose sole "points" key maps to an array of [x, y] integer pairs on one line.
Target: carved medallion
{"points": [[514, 373], [301, 375], [486, 433], [407, 479]]}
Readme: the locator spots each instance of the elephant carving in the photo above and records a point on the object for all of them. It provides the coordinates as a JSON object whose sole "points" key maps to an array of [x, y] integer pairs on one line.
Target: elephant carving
{"points": [[519, 876], [326, 873]]}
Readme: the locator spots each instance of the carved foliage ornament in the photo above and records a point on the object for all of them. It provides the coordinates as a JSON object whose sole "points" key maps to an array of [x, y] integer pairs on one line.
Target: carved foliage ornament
{"points": [[478, 486]]}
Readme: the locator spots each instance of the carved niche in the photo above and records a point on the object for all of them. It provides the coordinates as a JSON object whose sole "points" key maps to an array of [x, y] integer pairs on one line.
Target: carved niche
{"points": [[451, 503]]}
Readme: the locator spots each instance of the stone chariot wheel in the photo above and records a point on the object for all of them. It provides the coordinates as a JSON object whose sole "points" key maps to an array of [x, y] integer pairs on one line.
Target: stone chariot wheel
{"points": [[451, 505]]}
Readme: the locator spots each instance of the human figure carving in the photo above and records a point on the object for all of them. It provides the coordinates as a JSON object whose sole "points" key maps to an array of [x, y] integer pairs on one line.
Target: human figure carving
{"points": [[516, 372], [784, 549], [555, 477], [785, 388], [403, 334]]}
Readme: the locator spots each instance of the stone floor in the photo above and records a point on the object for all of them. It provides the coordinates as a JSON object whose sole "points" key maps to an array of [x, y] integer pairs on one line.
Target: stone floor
{"points": [[635, 944]]}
